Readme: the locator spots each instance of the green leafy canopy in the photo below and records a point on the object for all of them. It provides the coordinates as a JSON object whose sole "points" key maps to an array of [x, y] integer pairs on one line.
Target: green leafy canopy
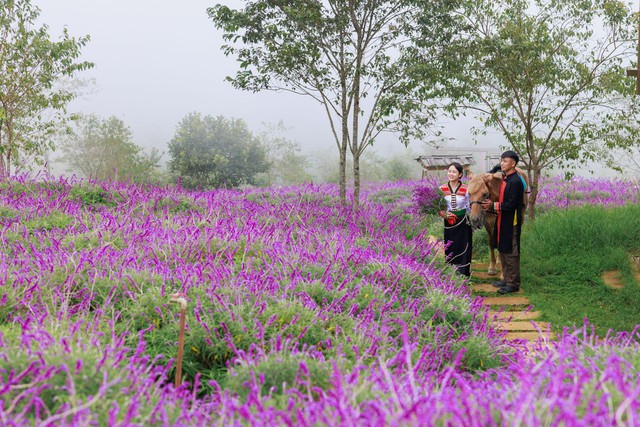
{"points": [[549, 75], [352, 57], [32, 102], [215, 152]]}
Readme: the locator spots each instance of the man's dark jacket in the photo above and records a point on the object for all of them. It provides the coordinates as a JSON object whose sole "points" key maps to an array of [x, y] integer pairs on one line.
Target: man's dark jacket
{"points": [[510, 204]]}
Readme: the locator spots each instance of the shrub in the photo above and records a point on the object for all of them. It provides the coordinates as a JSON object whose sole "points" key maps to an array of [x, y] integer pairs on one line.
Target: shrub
{"points": [[91, 196], [428, 200], [480, 353], [55, 219], [279, 372]]}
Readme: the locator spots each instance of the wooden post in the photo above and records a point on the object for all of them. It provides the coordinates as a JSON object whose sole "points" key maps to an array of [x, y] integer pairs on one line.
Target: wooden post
{"points": [[178, 298]]}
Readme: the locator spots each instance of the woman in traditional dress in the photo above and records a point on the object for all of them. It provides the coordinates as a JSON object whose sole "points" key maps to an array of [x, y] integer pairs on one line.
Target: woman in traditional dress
{"points": [[457, 230]]}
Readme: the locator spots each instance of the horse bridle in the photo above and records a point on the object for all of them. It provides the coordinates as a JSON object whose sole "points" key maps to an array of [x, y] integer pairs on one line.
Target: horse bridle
{"points": [[481, 201]]}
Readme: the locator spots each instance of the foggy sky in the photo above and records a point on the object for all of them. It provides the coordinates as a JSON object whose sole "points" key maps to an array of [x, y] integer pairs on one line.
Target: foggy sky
{"points": [[158, 60]]}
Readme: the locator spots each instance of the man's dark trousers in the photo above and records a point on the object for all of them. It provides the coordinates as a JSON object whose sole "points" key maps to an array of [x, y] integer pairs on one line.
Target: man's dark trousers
{"points": [[511, 264]]}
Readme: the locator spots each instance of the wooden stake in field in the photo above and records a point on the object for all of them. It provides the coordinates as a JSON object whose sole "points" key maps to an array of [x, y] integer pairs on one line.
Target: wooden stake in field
{"points": [[179, 298]]}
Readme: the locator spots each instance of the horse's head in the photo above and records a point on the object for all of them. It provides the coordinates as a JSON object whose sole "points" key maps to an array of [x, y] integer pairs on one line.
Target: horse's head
{"points": [[483, 186]]}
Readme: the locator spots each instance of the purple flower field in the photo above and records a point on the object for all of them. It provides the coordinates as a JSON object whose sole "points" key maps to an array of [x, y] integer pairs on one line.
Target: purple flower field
{"points": [[559, 193], [300, 312]]}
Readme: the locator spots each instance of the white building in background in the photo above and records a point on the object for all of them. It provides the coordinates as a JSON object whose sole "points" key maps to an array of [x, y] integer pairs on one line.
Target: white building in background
{"points": [[472, 159]]}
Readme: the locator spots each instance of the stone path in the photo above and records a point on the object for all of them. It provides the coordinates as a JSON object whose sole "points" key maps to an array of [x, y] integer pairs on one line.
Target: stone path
{"points": [[512, 312]]}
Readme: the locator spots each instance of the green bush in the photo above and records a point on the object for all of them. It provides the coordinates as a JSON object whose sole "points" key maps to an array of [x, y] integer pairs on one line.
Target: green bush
{"points": [[47, 223], [447, 308], [480, 354], [17, 188], [410, 226], [481, 245], [175, 206], [369, 294], [291, 319], [319, 292], [208, 350], [91, 196], [279, 372], [91, 239], [7, 212], [74, 373]]}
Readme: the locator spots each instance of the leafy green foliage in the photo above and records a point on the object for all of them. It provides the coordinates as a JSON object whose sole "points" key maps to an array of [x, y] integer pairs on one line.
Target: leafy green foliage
{"points": [[75, 372], [102, 149], [351, 57], [215, 152], [479, 353], [280, 370], [32, 106], [90, 195], [175, 206], [54, 220], [287, 164], [539, 73], [7, 213]]}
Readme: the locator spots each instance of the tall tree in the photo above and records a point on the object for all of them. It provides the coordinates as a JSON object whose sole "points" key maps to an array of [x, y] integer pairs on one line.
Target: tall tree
{"points": [[287, 164], [215, 152], [346, 54], [103, 149], [550, 75], [31, 105]]}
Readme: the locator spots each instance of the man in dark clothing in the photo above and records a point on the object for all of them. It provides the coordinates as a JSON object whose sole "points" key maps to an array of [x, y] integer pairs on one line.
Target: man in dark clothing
{"points": [[506, 236]]}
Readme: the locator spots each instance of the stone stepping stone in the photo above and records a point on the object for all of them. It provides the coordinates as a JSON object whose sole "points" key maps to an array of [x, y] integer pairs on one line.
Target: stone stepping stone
{"points": [[529, 336], [524, 326], [484, 275], [484, 287], [514, 315], [498, 301], [480, 266]]}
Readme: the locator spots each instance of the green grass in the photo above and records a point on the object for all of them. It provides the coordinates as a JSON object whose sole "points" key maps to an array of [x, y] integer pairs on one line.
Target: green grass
{"points": [[564, 254], [481, 246]]}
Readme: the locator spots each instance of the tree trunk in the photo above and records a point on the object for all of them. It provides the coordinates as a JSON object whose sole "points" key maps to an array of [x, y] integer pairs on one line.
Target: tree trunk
{"points": [[343, 148], [1, 155], [6, 169], [5, 157], [533, 172], [345, 130], [533, 196], [3, 170], [343, 171], [355, 131], [356, 179], [355, 150]]}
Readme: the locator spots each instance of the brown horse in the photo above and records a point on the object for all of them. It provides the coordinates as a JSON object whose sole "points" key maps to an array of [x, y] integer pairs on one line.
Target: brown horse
{"points": [[486, 186]]}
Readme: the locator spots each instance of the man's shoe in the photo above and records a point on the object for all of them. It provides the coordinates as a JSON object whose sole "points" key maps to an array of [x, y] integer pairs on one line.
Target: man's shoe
{"points": [[507, 290], [499, 284]]}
